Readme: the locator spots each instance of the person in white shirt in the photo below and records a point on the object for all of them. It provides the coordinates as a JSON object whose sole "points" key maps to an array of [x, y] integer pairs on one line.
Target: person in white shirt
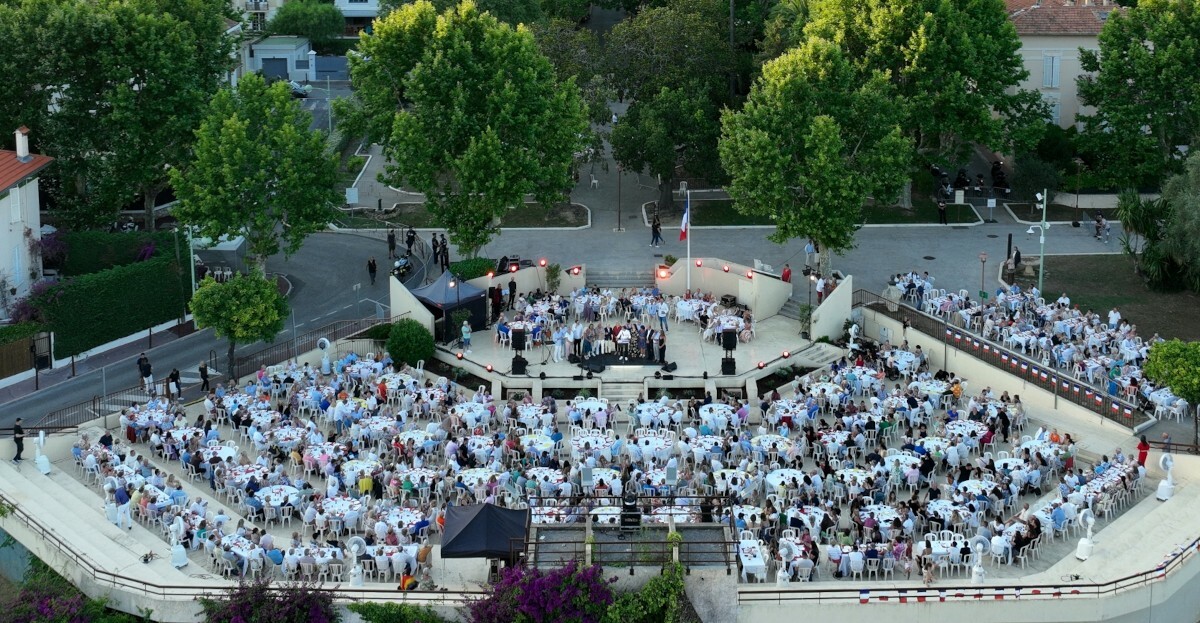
{"points": [[1114, 318]]}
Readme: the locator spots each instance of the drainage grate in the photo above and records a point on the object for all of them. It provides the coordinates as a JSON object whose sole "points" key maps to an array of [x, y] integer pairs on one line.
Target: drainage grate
{"points": [[930, 257]]}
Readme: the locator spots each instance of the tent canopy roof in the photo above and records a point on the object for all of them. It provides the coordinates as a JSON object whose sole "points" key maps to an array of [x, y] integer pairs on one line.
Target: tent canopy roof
{"points": [[440, 294], [483, 531]]}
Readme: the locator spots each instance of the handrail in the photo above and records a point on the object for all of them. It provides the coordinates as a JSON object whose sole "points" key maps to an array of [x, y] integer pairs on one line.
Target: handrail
{"points": [[1048, 378], [1070, 588], [188, 592]]}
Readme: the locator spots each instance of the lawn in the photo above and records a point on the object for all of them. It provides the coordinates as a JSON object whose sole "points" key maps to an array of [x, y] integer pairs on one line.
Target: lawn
{"points": [[1057, 212], [720, 213], [415, 214], [1101, 282]]}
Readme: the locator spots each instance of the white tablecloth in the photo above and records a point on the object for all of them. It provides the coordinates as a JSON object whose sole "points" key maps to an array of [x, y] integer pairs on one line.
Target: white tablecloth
{"points": [[277, 495], [753, 559], [783, 476]]}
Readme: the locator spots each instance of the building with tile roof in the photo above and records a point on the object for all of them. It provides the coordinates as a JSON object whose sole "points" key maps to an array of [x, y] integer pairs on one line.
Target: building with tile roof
{"points": [[20, 217]]}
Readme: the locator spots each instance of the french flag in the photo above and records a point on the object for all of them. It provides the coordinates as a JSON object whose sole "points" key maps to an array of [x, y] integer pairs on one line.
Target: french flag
{"points": [[683, 225]]}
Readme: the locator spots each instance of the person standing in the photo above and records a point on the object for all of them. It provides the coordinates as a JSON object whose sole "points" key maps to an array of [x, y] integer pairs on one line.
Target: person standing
{"points": [[656, 232], [445, 253], [560, 338], [662, 347], [942, 213], [1143, 450], [512, 292], [391, 239], [174, 384], [372, 268], [147, 373], [820, 289], [203, 376], [663, 310], [437, 248], [19, 440], [466, 335], [787, 274], [410, 237]]}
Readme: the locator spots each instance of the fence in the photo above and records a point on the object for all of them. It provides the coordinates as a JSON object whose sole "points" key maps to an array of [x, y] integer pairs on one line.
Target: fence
{"points": [[299, 345], [1045, 376]]}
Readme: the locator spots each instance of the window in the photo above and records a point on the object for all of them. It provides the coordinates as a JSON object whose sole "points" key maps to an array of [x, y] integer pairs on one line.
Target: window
{"points": [[1054, 115], [14, 205], [1050, 70]]}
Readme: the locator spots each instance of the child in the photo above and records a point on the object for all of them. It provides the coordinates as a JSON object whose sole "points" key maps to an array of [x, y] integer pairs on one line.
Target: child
{"points": [[927, 573]]}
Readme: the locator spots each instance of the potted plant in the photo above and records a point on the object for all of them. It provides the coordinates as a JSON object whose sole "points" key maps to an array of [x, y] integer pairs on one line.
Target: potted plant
{"points": [[553, 277], [805, 317], [674, 539]]}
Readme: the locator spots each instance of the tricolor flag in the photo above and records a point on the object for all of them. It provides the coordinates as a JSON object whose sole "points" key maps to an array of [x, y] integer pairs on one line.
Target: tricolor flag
{"points": [[949, 333], [1004, 357], [958, 337], [1116, 408], [1077, 388], [1099, 399], [1128, 412], [1025, 368], [1045, 375], [976, 344], [1066, 385], [864, 596], [987, 349], [683, 225]]}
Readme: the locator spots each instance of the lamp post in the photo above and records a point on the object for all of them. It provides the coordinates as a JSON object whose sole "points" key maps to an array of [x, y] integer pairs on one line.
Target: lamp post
{"points": [[812, 278], [454, 279], [982, 271], [1043, 196]]}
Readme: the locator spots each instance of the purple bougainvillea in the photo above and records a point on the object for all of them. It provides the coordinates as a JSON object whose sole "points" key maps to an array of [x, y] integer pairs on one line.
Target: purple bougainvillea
{"points": [[569, 594]]}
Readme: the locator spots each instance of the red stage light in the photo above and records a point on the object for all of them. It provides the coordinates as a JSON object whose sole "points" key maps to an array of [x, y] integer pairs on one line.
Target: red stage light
{"points": [[488, 367], [699, 263], [662, 273], [491, 274], [786, 354], [542, 262], [761, 365], [576, 270], [749, 274], [725, 268], [459, 355], [513, 268]]}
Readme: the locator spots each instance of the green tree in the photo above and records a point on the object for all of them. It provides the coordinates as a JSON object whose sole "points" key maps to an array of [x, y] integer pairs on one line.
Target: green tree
{"points": [[1176, 364], [571, 10], [954, 67], [243, 310], [674, 128], [1144, 87], [257, 171], [668, 47], [477, 117], [812, 144], [1032, 175], [410, 342], [395, 613], [511, 12], [321, 22]]}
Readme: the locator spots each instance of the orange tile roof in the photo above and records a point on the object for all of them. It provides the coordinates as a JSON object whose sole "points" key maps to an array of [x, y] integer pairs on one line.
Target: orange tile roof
{"points": [[13, 171], [1059, 17]]}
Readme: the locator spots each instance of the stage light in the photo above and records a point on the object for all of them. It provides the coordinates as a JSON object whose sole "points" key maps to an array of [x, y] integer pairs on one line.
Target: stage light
{"points": [[459, 355], [725, 268], [589, 375], [488, 367], [761, 365], [706, 375], [662, 273], [513, 268], [786, 354], [749, 274], [699, 263], [542, 262], [658, 374], [575, 270], [542, 376], [491, 274]]}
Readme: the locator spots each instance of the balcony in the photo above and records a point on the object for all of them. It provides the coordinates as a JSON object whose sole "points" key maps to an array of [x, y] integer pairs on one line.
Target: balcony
{"points": [[257, 7]]}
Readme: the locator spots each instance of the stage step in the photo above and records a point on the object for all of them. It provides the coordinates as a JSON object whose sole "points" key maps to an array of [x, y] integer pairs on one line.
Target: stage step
{"points": [[616, 280], [791, 309]]}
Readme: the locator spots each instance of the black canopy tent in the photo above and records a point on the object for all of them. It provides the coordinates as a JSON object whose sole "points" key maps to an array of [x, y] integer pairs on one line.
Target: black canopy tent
{"points": [[443, 300], [484, 531]]}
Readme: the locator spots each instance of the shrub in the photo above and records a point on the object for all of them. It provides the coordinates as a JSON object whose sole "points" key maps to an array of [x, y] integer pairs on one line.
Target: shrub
{"points": [[410, 342], [669, 259], [381, 331], [528, 594], [472, 268], [396, 613], [13, 332], [354, 164], [88, 252], [657, 602], [553, 277], [259, 601]]}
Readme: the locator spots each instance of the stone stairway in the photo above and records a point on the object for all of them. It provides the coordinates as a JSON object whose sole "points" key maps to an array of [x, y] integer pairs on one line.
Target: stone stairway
{"points": [[791, 309], [616, 280]]}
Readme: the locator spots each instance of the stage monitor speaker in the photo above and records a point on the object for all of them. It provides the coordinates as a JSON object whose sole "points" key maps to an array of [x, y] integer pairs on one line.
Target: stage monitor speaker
{"points": [[668, 377], [519, 365], [728, 340], [631, 519], [572, 359], [728, 366], [670, 367], [596, 367], [518, 340], [577, 377], [728, 300]]}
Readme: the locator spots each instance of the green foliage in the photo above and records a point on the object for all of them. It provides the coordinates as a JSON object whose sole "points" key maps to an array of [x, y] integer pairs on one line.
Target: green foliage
{"points": [[320, 22], [954, 68], [813, 142], [380, 331], [395, 613], [554, 274], [93, 251], [1033, 175], [129, 81], [1182, 233], [45, 596], [1144, 88], [10, 333], [674, 48], [569, 10], [257, 171], [469, 113], [510, 12], [90, 310], [410, 342], [473, 267], [243, 310], [457, 317], [671, 129], [657, 602], [1166, 247], [669, 259], [1176, 364]]}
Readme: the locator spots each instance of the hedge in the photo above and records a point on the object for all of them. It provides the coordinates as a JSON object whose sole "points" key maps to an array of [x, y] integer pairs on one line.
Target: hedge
{"points": [[93, 251], [90, 310], [410, 342], [472, 268], [13, 332]]}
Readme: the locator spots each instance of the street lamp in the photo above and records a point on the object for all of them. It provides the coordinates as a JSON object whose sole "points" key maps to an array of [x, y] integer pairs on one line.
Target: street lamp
{"points": [[812, 278], [1043, 197], [454, 279], [982, 270]]}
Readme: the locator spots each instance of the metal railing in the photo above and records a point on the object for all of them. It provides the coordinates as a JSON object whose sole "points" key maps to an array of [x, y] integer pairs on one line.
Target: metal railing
{"points": [[1047, 377], [186, 592], [1069, 588], [290, 349]]}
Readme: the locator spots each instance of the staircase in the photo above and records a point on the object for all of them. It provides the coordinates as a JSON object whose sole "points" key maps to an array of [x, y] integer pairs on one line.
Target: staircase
{"points": [[616, 280], [791, 309]]}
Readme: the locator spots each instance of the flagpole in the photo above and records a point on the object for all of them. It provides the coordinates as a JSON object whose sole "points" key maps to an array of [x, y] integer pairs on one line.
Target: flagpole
{"points": [[687, 211]]}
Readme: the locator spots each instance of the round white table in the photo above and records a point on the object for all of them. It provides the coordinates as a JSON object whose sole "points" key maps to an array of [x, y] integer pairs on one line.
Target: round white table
{"points": [[680, 513], [278, 495], [778, 443], [539, 442], [476, 475], [541, 474], [784, 476], [352, 470], [339, 506], [583, 442]]}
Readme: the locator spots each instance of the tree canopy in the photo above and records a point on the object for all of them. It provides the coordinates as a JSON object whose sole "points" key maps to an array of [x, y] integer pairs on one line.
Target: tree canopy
{"points": [[128, 81], [1145, 90], [812, 143], [469, 113], [257, 171], [668, 47], [1167, 242], [321, 22], [511, 12], [243, 310]]}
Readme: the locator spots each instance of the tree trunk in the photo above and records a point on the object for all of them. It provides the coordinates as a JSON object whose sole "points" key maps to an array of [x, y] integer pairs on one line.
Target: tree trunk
{"points": [[259, 263], [824, 262], [148, 197], [232, 372], [666, 195], [906, 195]]}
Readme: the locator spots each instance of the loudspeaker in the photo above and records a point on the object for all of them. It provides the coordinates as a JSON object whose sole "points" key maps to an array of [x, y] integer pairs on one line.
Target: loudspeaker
{"points": [[519, 365], [728, 366], [728, 340], [596, 367], [577, 377], [572, 358], [670, 367], [518, 340], [668, 377]]}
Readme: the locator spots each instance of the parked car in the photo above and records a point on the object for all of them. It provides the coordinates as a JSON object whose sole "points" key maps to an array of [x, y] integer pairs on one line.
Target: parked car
{"points": [[299, 91]]}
